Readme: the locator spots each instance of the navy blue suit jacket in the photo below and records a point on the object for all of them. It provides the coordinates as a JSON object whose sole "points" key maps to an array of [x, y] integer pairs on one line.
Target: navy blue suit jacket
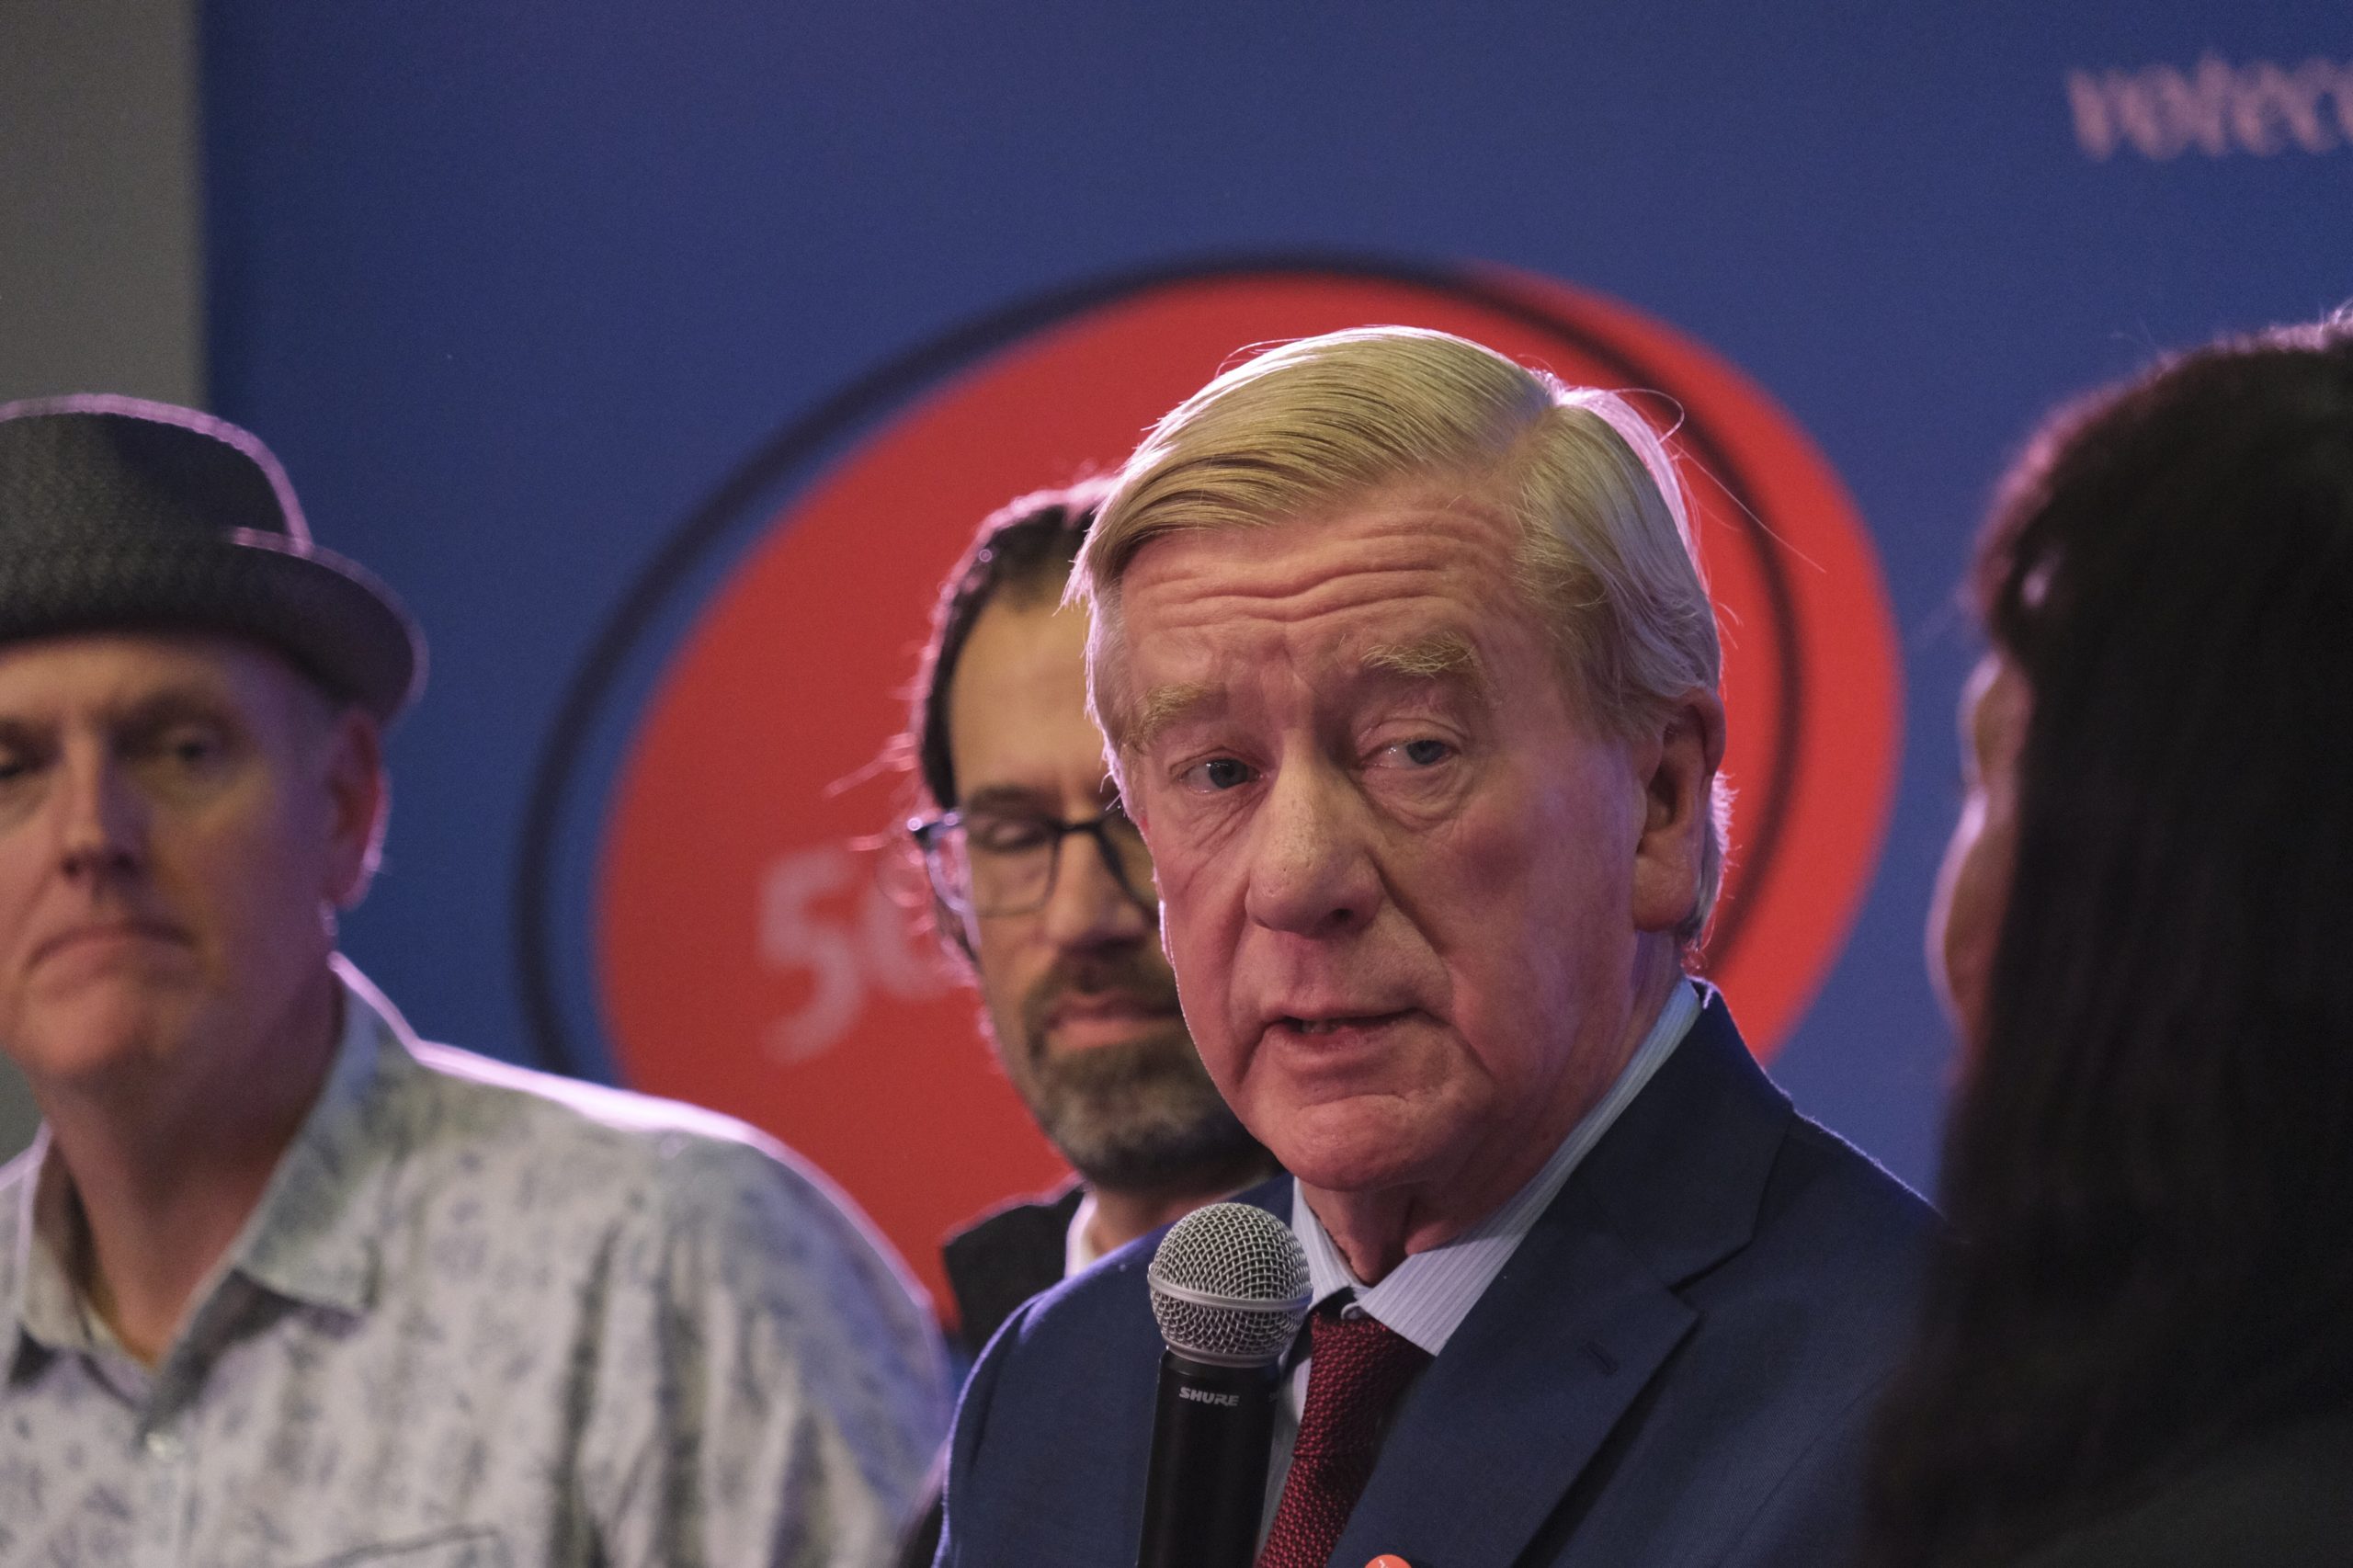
{"points": [[1676, 1367]]}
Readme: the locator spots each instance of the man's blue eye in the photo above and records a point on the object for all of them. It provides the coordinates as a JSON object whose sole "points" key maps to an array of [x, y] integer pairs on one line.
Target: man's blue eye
{"points": [[1220, 774], [1415, 754]]}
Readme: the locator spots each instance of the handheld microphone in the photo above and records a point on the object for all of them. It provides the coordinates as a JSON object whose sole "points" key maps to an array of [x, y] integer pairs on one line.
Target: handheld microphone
{"points": [[1229, 1288]]}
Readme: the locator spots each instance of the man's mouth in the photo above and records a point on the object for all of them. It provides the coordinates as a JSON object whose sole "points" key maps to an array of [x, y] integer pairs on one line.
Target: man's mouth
{"points": [[99, 936], [1104, 1017], [1333, 1026]]}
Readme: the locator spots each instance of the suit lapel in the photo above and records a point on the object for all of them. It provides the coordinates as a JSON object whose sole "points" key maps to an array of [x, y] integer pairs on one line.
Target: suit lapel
{"points": [[1580, 1321], [1504, 1421]]}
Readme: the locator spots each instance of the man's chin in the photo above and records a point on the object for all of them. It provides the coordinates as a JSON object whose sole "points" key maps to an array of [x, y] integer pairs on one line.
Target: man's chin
{"points": [[1210, 1147], [91, 1038], [1362, 1144]]}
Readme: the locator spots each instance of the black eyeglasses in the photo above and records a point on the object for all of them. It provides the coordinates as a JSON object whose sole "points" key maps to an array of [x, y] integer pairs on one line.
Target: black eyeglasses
{"points": [[993, 862]]}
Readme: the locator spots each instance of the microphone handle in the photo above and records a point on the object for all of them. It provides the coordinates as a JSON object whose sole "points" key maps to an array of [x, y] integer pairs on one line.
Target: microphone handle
{"points": [[1206, 1490]]}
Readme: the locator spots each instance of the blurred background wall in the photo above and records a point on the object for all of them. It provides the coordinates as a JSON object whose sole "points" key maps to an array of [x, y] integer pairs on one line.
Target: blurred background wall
{"points": [[664, 357], [100, 256]]}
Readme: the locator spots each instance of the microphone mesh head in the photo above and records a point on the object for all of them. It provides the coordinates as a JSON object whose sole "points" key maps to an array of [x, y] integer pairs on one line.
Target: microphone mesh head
{"points": [[1229, 1285]]}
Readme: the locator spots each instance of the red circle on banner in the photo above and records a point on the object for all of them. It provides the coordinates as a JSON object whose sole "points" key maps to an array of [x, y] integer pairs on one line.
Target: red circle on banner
{"points": [[753, 955]]}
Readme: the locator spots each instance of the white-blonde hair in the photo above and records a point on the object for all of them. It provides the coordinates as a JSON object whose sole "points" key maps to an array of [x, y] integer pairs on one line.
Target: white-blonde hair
{"points": [[1606, 552]]}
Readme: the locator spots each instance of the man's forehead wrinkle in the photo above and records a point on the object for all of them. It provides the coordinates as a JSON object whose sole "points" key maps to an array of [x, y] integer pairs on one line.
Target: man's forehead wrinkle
{"points": [[1313, 590], [114, 702], [1251, 607], [1425, 623], [175, 699]]}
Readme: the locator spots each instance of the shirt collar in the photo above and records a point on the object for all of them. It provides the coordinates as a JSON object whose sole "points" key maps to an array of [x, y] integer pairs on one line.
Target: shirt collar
{"points": [[38, 1290], [310, 1238], [1079, 1250], [1427, 1297]]}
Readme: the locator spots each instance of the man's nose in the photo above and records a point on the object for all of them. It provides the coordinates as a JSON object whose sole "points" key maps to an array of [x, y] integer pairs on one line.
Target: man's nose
{"points": [[1311, 870], [1087, 907], [101, 820]]}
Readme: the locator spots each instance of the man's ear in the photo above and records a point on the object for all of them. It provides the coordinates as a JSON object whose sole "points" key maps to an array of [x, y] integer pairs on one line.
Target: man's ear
{"points": [[1676, 763], [360, 798]]}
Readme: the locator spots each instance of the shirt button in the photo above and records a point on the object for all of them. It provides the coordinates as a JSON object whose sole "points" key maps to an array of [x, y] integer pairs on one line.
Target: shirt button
{"points": [[163, 1446]]}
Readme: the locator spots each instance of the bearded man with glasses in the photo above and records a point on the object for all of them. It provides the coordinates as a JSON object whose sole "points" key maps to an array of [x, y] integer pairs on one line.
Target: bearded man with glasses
{"points": [[1042, 891], [1043, 888]]}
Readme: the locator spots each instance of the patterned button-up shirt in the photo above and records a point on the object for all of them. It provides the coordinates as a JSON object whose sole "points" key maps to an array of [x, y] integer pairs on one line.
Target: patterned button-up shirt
{"points": [[485, 1317]]}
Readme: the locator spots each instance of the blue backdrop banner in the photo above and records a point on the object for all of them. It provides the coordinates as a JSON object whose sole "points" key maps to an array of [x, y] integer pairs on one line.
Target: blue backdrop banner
{"points": [[663, 359]]}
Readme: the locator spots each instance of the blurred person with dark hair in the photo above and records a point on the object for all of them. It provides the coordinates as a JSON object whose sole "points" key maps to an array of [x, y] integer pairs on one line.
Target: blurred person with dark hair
{"points": [[2139, 1346], [280, 1282]]}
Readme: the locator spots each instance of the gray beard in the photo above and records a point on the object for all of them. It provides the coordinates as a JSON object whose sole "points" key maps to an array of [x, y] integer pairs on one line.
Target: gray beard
{"points": [[1139, 1117]]}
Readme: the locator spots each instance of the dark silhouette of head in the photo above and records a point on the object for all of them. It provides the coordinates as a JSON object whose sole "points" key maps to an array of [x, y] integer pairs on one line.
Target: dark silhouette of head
{"points": [[2149, 1166]]}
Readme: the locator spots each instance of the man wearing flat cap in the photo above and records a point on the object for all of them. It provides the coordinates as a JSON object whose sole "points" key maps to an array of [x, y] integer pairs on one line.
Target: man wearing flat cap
{"points": [[278, 1283]]}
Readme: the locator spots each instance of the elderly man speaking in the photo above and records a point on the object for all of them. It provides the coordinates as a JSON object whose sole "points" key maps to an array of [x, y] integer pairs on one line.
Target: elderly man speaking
{"points": [[278, 1283], [1410, 680]]}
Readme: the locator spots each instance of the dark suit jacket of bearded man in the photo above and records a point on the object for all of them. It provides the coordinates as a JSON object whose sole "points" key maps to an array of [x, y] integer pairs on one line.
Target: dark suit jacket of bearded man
{"points": [[1678, 1367]]}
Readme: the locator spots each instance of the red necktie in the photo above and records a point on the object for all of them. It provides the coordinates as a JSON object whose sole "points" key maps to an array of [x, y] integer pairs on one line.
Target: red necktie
{"points": [[1356, 1368]]}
